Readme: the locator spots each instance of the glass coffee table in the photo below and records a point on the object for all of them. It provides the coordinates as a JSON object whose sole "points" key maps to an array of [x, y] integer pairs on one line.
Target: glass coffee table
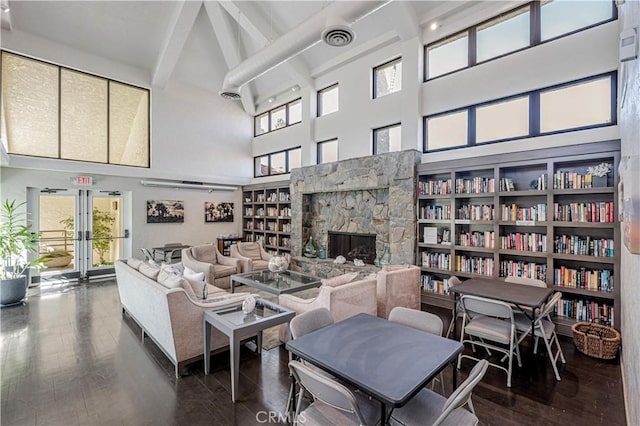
{"points": [[239, 326], [275, 282]]}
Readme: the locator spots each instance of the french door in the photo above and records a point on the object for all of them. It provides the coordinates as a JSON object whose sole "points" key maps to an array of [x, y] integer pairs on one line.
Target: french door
{"points": [[83, 232]]}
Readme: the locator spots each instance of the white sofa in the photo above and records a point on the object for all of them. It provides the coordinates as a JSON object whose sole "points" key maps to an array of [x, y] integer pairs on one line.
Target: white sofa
{"points": [[172, 319]]}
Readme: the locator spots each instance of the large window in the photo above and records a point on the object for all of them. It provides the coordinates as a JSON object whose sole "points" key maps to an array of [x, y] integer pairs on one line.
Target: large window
{"points": [[328, 151], [278, 118], [387, 78], [521, 28], [52, 111], [387, 139], [581, 104], [277, 163], [328, 100]]}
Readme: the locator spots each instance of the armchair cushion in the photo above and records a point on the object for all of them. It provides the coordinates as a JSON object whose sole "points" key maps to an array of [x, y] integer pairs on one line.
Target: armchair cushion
{"points": [[252, 251], [205, 253]]}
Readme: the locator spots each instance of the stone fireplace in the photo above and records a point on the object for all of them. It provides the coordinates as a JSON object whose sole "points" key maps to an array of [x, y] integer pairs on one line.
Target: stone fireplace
{"points": [[352, 246], [372, 195]]}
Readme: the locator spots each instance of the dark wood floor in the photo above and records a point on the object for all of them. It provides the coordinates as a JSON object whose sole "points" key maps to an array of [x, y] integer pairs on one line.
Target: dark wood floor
{"points": [[69, 356]]}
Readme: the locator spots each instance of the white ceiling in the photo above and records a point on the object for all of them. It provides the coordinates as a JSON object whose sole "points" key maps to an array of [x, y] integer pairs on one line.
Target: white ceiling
{"points": [[179, 38]]}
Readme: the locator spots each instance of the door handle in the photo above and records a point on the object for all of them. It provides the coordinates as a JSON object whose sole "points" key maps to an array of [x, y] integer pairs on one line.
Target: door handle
{"points": [[87, 235], [79, 235], [126, 233]]}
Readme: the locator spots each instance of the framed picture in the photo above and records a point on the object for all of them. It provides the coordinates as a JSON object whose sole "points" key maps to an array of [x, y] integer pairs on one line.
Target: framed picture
{"points": [[218, 212], [165, 211]]}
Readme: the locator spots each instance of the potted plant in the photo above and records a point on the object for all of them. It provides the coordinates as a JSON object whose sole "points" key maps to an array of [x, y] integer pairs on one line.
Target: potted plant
{"points": [[16, 242], [57, 258], [599, 174]]}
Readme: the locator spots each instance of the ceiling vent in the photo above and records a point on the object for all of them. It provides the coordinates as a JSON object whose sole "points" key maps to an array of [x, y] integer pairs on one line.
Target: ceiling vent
{"points": [[338, 35], [228, 94]]}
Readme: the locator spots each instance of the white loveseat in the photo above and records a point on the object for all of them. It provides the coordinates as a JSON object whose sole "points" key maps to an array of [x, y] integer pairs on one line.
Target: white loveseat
{"points": [[172, 319]]}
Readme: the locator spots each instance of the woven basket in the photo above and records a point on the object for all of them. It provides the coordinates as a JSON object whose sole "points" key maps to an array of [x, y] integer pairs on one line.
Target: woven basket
{"points": [[596, 340]]}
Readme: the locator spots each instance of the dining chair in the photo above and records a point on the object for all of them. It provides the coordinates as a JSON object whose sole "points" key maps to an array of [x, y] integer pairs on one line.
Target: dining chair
{"points": [[456, 312], [430, 408], [303, 324], [488, 321], [533, 282], [147, 254], [545, 328], [333, 403], [420, 320]]}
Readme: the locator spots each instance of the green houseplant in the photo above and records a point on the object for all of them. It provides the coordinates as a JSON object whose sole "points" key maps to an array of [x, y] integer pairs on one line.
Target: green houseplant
{"points": [[16, 242]]}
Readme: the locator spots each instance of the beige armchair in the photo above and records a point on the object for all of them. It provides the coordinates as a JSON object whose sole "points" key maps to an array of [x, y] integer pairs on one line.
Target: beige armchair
{"points": [[252, 256], [342, 301], [398, 285], [216, 267]]}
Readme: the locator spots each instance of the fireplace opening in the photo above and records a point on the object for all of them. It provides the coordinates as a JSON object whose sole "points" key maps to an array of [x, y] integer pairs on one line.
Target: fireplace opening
{"points": [[352, 246]]}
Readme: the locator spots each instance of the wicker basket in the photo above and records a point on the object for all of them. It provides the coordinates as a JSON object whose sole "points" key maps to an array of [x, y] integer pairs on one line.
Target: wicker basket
{"points": [[596, 340]]}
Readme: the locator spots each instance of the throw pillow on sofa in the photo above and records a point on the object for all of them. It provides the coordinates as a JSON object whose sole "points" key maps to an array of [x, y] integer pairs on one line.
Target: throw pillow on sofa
{"points": [[339, 280], [170, 280], [196, 279], [149, 271], [134, 263]]}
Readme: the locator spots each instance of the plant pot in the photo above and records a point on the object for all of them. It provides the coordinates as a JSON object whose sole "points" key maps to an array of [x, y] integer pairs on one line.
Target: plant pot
{"points": [[58, 262], [13, 291], [599, 181]]}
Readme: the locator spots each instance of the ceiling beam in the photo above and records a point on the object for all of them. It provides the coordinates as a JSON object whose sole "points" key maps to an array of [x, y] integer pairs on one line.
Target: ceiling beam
{"points": [[260, 30], [404, 19], [229, 44], [180, 27]]}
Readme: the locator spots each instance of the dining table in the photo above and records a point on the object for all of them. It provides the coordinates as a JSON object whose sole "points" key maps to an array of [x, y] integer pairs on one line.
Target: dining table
{"points": [[388, 361]]}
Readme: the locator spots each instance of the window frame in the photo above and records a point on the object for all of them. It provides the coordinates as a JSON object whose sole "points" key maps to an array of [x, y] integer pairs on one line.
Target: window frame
{"points": [[108, 117], [268, 155], [319, 99], [319, 151], [270, 111], [535, 29], [374, 79], [374, 140], [534, 113]]}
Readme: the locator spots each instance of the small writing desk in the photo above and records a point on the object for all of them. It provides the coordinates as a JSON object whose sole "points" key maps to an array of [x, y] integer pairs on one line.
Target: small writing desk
{"points": [[388, 361], [167, 249]]}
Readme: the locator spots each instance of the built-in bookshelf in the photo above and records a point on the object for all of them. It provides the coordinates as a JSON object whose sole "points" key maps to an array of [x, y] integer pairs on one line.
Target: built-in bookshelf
{"points": [[266, 216], [540, 215]]}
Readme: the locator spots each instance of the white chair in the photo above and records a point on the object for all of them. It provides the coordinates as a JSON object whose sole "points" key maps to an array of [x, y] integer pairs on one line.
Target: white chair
{"points": [[489, 321], [333, 403], [525, 281], [456, 312], [545, 328], [420, 320], [429, 408]]}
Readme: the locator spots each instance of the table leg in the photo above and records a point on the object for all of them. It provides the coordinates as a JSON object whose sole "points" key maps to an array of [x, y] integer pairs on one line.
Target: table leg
{"points": [[455, 375], [232, 286], [207, 346], [455, 314], [383, 414], [259, 342], [234, 348]]}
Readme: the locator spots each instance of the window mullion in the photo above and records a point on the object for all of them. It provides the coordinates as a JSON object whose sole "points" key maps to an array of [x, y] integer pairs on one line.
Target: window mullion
{"points": [[534, 114], [471, 126], [473, 47], [535, 29]]}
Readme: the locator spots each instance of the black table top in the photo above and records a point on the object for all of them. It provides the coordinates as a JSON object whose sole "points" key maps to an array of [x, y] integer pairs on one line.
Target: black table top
{"points": [[388, 361], [166, 249], [493, 288]]}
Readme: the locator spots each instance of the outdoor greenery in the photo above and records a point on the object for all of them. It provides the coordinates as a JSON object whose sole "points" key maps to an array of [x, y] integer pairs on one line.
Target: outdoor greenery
{"points": [[16, 241], [102, 233]]}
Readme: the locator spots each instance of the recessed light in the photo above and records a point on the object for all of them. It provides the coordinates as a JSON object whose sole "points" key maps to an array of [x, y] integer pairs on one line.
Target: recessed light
{"points": [[295, 88], [271, 100], [434, 26]]}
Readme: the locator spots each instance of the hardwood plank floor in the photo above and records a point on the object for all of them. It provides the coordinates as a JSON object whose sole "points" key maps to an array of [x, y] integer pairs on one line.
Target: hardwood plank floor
{"points": [[69, 356]]}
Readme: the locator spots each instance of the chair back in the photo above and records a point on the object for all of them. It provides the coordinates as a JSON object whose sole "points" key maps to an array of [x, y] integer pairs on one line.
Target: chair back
{"points": [[173, 244], [462, 394], [325, 389], [419, 320], [551, 303], [525, 281], [489, 307], [309, 321], [454, 281], [147, 253]]}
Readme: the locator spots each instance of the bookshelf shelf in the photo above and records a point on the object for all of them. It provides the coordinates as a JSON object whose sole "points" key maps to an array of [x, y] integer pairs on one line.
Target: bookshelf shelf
{"points": [[270, 221], [543, 197]]}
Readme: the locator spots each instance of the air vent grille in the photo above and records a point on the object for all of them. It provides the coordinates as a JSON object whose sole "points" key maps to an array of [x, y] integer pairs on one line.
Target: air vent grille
{"points": [[230, 95], [338, 36]]}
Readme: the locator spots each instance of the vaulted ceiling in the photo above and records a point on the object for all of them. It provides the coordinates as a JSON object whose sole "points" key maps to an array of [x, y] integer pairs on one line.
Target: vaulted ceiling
{"points": [[198, 42]]}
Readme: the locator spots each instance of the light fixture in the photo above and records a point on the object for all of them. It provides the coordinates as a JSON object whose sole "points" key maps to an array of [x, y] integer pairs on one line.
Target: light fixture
{"points": [[295, 88], [186, 185], [434, 26], [271, 100]]}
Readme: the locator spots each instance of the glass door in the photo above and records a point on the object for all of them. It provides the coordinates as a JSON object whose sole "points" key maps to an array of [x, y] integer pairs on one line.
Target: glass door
{"points": [[82, 231]]}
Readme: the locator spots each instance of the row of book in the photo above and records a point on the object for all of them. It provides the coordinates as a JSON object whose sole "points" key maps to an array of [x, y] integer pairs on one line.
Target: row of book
{"points": [[588, 279], [436, 260], [285, 242], [524, 242], [571, 180], [513, 212], [435, 211], [248, 225], [474, 264], [599, 211], [476, 239], [476, 185], [586, 310], [434, 284], [272, 241], [434, 187], [519, 268], [583, 246], [285, 212], [272, 211], [476, 212], [286, 227]]}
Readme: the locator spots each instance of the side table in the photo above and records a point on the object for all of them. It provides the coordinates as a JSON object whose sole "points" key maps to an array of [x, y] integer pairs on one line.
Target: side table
{"points": [[239, 326]]}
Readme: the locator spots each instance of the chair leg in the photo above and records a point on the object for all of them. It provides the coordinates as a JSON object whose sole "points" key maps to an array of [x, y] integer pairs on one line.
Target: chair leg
{"points": [[552, 358], [470, 404], [535, 344]]}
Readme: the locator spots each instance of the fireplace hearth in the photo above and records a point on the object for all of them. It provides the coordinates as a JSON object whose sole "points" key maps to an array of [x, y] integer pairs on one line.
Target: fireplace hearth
{"points": [[352, 246]]}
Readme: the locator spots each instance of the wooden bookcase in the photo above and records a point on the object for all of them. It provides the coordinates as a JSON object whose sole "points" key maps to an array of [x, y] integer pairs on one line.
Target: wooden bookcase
{"points": [[266, 216], [522, 214], [225, 243]]}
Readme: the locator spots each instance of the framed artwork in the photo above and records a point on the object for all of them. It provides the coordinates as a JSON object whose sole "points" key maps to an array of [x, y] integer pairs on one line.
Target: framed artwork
{"points": [[165, 211], [218, 212]]}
